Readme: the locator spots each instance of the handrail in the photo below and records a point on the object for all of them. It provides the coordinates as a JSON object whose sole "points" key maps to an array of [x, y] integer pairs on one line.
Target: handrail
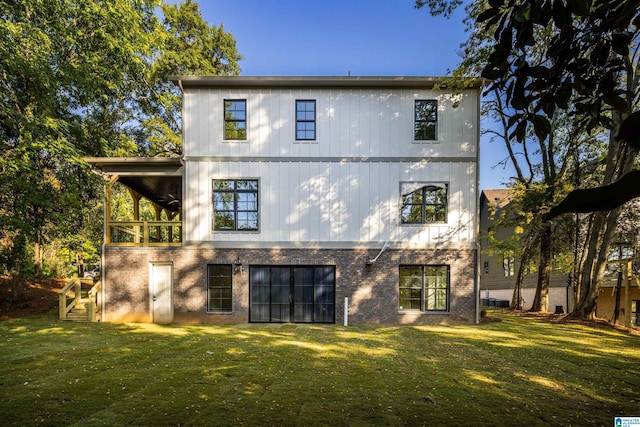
{"points": [[63, 307], [95, 301], [145, 233]]}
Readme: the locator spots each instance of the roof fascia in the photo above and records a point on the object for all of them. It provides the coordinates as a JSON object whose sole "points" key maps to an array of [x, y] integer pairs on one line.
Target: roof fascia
{"points": [[317, 82]]}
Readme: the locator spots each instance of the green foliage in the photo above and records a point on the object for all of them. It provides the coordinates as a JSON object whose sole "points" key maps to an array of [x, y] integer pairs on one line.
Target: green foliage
{"points": [[88, 78], [439, 7], [587, 53]]}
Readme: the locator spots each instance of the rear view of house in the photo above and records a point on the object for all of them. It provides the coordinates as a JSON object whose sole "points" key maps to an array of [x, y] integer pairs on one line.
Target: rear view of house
{"points": [[304, 199]]}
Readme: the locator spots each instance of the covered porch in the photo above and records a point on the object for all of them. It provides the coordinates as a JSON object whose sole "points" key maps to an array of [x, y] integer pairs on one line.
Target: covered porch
{"points": [[156, 179]]}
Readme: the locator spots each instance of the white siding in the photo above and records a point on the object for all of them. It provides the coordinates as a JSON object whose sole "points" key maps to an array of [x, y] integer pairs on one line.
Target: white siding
{"points": [[343, 189], [332, 202], [350, 123]]}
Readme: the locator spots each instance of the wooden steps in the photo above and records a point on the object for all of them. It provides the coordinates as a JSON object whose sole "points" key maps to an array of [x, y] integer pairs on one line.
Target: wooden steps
{"points": [[78, 313]]}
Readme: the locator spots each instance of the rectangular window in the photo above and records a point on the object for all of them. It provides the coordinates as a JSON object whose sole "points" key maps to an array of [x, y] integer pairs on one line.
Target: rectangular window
{"points": [[508, 264], [235, 204], [426, 120], [424, 288], [235, 119], [305, 120], [423, 203], [635, 315], [219, 287]]}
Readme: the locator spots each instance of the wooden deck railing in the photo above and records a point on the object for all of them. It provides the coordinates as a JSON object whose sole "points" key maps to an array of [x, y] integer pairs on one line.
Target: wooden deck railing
{"points": [[94, 305], [70, 299], [68, 303], [144, 233]]}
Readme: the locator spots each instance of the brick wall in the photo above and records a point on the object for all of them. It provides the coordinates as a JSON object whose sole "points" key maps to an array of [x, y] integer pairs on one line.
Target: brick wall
{"points": [[372, 290]]}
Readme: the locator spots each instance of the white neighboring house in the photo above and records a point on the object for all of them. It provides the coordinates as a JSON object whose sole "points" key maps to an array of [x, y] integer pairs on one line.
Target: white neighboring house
{"points": [[298, 195]]}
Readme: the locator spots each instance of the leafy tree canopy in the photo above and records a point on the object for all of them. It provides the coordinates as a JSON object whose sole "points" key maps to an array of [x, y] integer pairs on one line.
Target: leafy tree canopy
{"points": [[88, 78], [589, 47]]}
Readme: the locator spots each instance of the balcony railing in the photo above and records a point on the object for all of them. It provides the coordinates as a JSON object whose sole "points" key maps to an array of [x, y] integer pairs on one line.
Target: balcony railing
{"points": [[144, 233]]}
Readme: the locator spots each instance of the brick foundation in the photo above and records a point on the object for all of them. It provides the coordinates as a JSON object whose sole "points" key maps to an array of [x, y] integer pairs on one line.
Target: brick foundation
{"points": [[372, 290]]}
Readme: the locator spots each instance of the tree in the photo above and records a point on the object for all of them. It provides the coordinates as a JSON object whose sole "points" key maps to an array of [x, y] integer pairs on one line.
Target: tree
{"points": [[86, 78], [185, 44], [590, 68], [541, 161]]}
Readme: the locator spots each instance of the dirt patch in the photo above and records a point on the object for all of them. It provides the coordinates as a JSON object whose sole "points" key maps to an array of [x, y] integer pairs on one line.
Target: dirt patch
{"points": [[489, 319], [40, 296], [565, 318]]}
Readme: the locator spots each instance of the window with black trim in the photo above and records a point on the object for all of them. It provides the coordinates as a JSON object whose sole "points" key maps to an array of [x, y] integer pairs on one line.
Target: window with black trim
{"points": [[235, 119], [426, 120], [424, 288], [235, 204], [220, 289], [635, 312], [305, 120], [423, 203]]}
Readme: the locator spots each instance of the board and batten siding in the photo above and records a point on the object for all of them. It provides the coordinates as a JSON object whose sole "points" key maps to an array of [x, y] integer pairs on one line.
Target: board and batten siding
{"points": [[350, 123], [343, 189]]}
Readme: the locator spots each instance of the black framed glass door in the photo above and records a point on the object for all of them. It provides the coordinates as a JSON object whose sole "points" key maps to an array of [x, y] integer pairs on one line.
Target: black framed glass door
{"points": [[301, 294]]}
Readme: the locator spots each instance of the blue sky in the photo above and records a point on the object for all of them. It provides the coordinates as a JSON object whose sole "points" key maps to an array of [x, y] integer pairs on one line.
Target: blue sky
{"points": [[337, 37]]}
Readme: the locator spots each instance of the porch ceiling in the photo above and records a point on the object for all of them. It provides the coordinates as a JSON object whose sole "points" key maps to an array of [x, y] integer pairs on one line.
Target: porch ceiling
{"points": [[155, 178]]}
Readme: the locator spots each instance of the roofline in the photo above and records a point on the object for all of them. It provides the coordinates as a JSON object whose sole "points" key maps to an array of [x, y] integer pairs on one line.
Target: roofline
{"points": [[137, 165], [309, 82]]}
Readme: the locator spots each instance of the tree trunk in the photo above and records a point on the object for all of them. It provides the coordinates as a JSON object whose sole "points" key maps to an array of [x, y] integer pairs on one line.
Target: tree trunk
{"points": [[620, 160], [17, 287], [517, 299], [541, 300], [585, 309], [38, 259], [616, 310]]}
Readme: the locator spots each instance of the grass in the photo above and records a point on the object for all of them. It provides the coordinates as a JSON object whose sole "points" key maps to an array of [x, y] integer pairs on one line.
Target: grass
{"points": [[519, 371]]}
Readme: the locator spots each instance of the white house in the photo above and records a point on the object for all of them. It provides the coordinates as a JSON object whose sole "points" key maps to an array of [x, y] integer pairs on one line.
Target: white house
{"points": [[298, 195]]}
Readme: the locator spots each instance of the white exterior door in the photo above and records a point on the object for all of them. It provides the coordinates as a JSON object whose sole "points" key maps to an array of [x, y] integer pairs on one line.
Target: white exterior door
{"points": [[161, 288]]}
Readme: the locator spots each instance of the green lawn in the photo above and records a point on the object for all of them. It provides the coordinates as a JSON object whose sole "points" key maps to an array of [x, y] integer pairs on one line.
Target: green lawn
{"points": [[516, 372]]}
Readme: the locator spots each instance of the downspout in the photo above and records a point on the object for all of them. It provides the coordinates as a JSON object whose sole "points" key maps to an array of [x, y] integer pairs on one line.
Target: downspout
{"points": [[477, 213], [372, 261]]}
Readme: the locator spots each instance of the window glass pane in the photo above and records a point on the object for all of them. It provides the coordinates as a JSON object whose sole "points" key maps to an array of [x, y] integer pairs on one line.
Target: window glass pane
{"points": [[223, 201], [305, 120], [426, 110], [224, 221], [247, 184], [235, 204], [223, 184], [436, 280], [220, 287], [235, 117], [426, 117], [410, 290]]}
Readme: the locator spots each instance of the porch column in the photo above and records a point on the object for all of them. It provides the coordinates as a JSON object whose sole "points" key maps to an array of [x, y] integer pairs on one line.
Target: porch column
{"points": [[109, 181]]}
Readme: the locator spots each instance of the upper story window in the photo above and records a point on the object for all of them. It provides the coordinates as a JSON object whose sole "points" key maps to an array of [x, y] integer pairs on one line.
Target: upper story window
{"points": [[306, 120], [426, 120], [235, 119], [423, 203], [235, 204]]}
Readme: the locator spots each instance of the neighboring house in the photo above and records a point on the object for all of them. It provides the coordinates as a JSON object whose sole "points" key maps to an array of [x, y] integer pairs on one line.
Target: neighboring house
{"points": [[499, 269], [619, 292], [304, 199]]}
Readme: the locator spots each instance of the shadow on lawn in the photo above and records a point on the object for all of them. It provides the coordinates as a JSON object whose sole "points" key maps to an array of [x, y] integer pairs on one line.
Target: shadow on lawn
{"points": [[518, 371]]}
